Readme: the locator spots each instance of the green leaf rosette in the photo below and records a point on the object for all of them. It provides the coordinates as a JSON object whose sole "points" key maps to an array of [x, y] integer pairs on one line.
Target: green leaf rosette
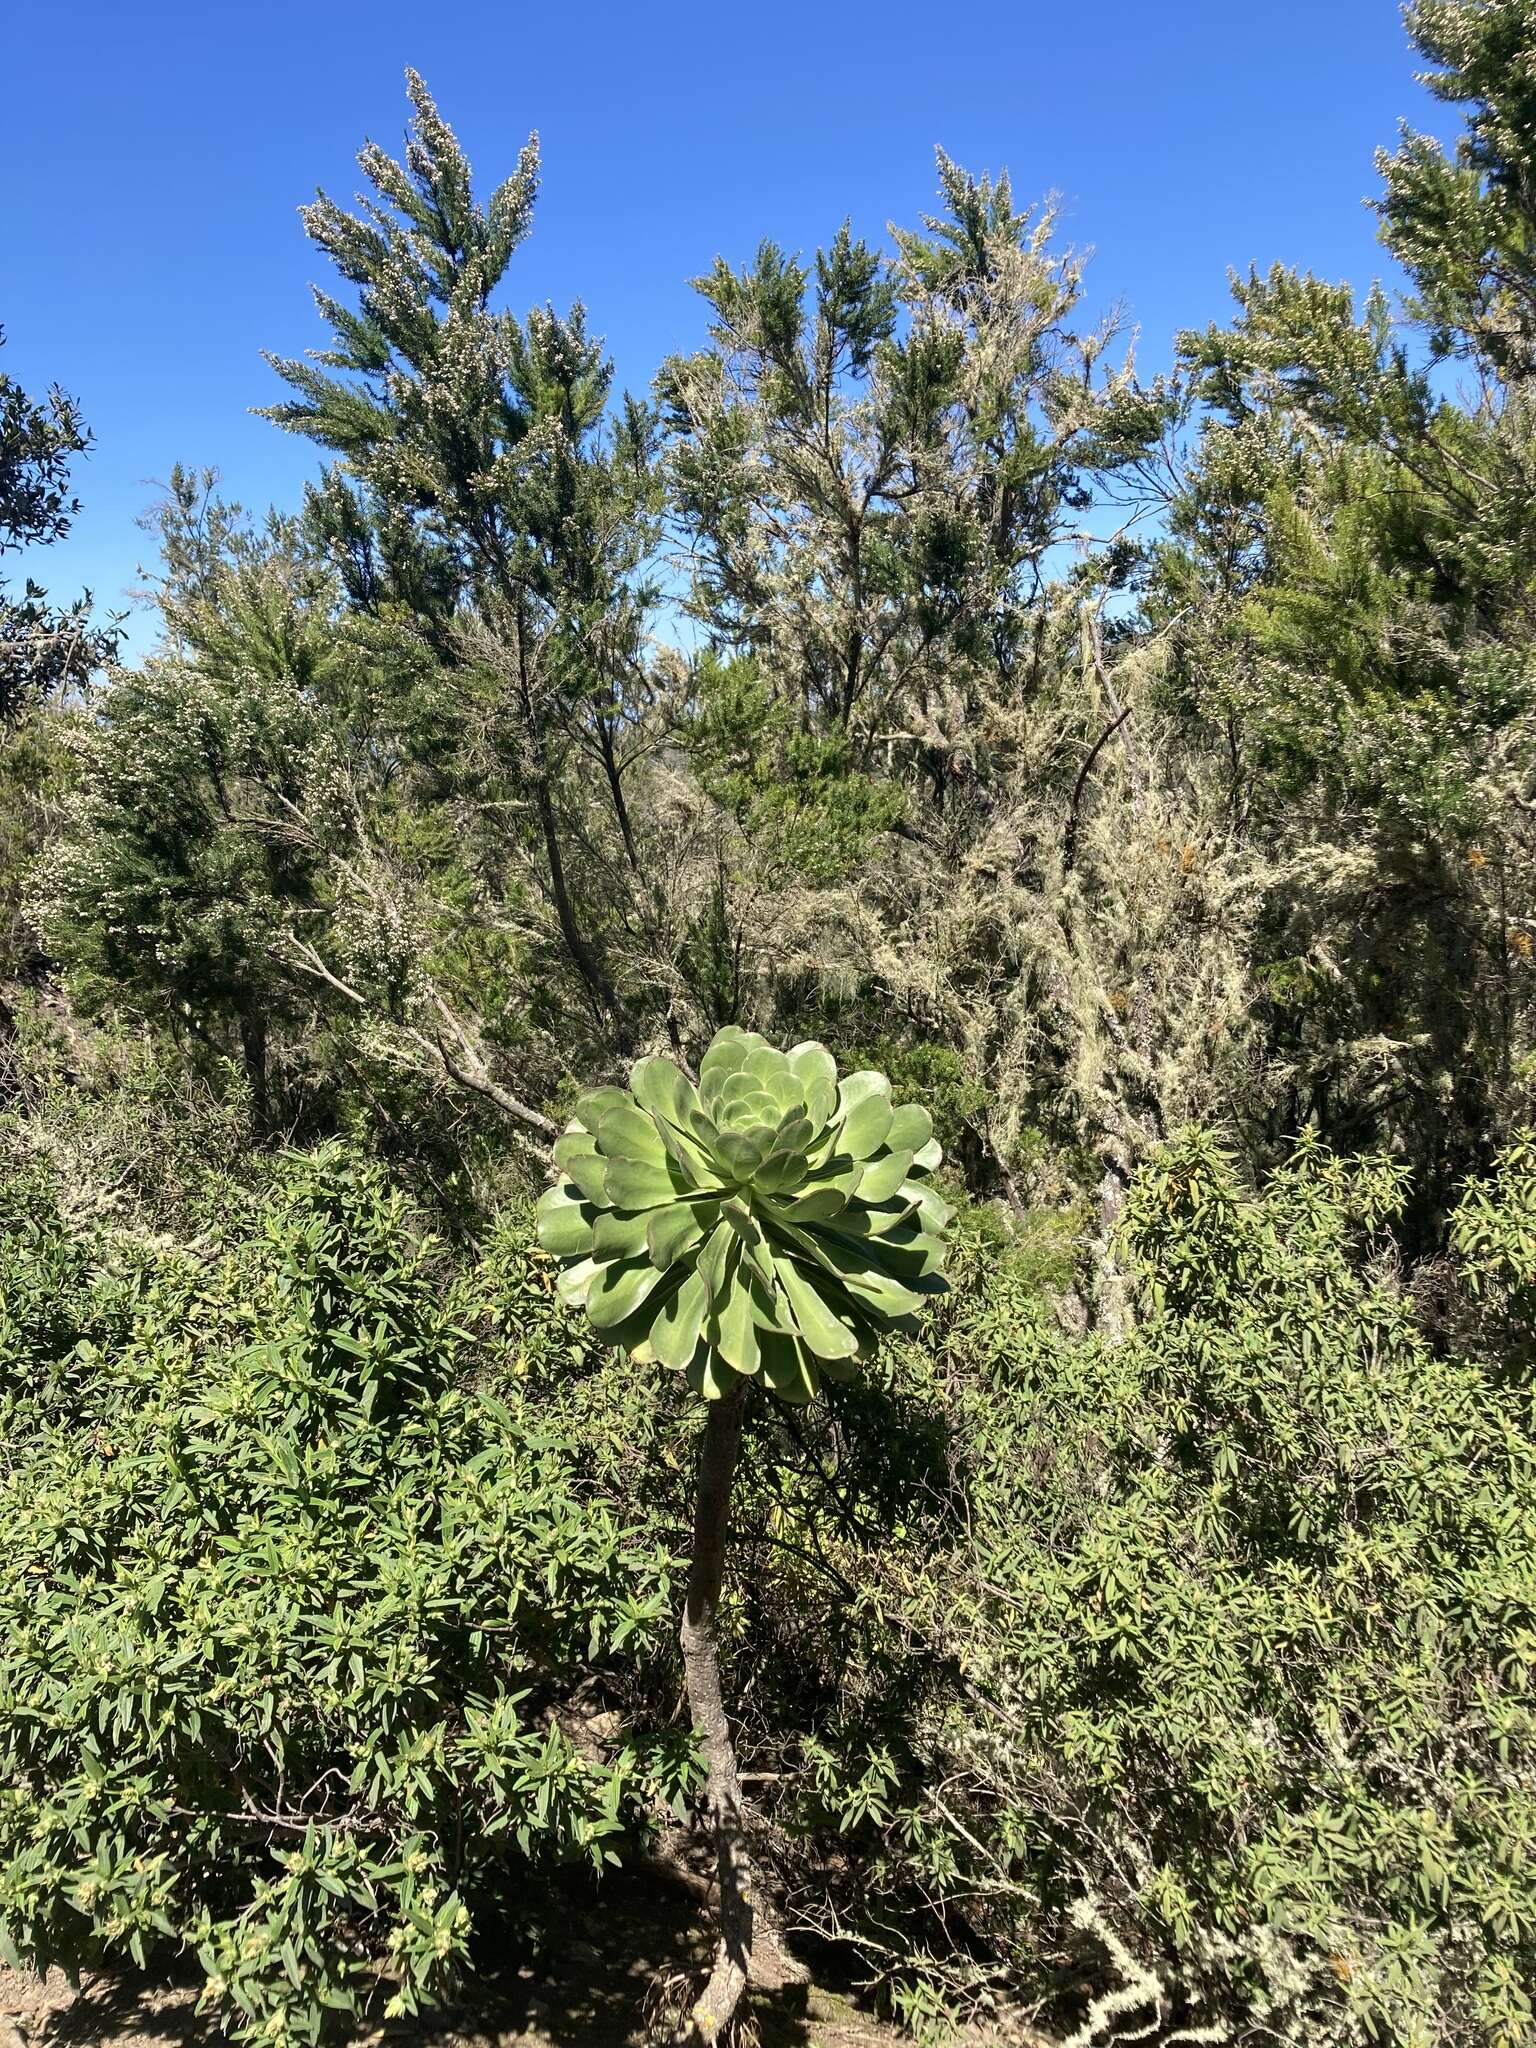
{"points": [[772, 1221]]}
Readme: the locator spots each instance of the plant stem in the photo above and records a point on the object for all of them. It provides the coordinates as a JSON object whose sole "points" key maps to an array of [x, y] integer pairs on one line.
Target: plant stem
{"points": [[749, 1948], [701, 1666]]}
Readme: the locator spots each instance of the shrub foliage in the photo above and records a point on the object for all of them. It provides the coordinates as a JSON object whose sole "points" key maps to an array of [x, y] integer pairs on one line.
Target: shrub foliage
{"points": [[1196, 1668], [287, 1604]]}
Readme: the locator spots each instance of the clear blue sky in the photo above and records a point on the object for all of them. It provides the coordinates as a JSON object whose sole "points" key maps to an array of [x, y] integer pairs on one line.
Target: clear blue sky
{"points": [[152, 158]]}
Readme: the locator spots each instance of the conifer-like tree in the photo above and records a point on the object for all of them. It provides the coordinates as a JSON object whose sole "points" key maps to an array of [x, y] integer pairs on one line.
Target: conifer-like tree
{"points": [[482, 494], [42, 649]]}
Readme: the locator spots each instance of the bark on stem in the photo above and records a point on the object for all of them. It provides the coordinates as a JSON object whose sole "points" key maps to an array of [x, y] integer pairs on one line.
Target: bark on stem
{"points": [[749, 1947]]}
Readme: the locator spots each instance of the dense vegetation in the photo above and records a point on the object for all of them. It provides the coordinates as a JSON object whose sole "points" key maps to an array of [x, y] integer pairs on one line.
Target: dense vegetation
{"points": [[1145, 1642]]}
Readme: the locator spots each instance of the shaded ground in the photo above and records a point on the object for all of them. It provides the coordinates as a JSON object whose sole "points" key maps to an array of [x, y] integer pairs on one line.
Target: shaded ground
{"points": [[622, 1995]]}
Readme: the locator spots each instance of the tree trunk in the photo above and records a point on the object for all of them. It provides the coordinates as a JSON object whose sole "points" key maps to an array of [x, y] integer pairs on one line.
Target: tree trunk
{"points": [[749, 1948], [616, 791], [9, 1069], [605, 998], [253, 1049]]}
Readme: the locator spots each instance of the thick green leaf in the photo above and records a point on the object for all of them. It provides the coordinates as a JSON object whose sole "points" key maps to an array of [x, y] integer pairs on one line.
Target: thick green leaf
{"points": [[638, 1184], [669, 1233], [675, 1330], [564, 1222], [718, 1257], [741, 1099], [628, 1133], [595, 1105], [865, 1125], [766, 1065], [910, 1255], [577, 1154], [933, 1212], [856, 1088], [618, 1290], [881, 1291], [827, 1336], [862, 1222], [694, 1160], [727, 1054], [732, 1327], [873, 1271], [787, 1093], [911, 1128], [662, 1087], [816, 1071], [817, 1206], [620, 1233], [711, 1376], [634, 1333], [884, 1176], [787, 1370], [573, 1281], [742, 1153], [747, 1227]]}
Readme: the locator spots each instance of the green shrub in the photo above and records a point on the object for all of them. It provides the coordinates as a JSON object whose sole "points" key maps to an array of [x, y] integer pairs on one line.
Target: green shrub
{"points": [[287, 1610], [1193, 1673], [1195, 1670], [1494, 1233]]}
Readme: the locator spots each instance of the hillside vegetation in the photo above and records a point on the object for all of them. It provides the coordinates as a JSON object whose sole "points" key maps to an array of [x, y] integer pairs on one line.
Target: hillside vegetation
{"points": [[1136, 1640]]}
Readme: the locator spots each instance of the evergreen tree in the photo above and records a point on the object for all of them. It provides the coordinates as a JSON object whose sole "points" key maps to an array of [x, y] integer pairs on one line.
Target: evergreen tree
{"points": [[42, 649], [1348, 589], [483, 497]]}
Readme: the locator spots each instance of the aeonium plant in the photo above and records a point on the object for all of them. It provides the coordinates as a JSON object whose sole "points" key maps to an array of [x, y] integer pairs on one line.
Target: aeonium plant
{"points": [[765, 1226], [772, 1221]]}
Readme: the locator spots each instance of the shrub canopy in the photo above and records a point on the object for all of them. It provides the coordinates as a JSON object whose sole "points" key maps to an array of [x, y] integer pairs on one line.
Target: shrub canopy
{"points": [[286, 1604]]}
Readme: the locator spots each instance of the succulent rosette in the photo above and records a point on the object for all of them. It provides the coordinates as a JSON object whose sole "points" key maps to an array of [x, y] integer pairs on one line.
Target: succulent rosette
{"points": [[772, 1221]]}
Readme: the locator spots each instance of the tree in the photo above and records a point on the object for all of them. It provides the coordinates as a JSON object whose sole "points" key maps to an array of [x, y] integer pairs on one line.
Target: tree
{"points": [[42, 649], [484, 500], [1462, 222], [874, 462], [872, 458], [1347, 600], [772, 1222], [45, 651]]}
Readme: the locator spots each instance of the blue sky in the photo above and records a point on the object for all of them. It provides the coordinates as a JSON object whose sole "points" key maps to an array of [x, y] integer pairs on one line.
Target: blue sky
{"points": [[153, 158]]}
